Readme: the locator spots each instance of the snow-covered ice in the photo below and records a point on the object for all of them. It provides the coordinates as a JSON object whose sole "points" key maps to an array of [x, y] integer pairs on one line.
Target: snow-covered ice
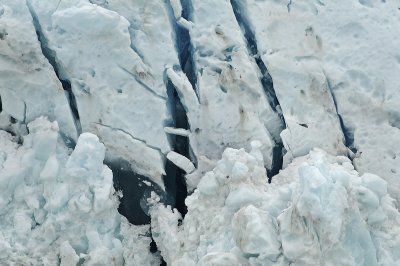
{"points": [[61, 208]]}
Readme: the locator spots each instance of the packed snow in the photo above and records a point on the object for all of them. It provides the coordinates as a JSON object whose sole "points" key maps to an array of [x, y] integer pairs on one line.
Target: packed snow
{"points": [[58, 207]]}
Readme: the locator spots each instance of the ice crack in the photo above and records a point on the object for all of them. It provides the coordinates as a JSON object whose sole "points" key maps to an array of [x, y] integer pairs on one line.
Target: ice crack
{"points": [[347, 134], [51, 57], [182, 41], [266, 79]]}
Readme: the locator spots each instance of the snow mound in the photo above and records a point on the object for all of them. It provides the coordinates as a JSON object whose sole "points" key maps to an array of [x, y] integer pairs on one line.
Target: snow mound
{"points": [[60, 208], [318, 211]]}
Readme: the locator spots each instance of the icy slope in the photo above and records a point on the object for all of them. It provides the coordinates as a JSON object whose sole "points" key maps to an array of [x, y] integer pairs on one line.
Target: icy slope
{"points": [[56, 207], [320, 211]]}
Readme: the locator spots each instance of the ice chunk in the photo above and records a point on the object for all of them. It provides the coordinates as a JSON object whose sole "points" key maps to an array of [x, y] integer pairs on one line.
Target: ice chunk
{"points": [[177, 131], [256, 232], [181, 161]]}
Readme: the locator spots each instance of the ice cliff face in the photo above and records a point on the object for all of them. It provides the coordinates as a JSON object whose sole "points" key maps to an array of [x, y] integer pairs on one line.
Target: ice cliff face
{"points": [[170, 87]]}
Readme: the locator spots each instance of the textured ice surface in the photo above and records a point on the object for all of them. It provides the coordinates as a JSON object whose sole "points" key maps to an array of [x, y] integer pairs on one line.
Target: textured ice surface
{"points": [[311, 47], [319, 211], [290, 49], [61, 208], [227, 76], [116, 92], [334, 69], [28, 85]]}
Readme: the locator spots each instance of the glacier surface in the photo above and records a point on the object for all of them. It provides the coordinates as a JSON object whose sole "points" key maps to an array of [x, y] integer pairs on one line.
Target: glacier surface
{"points": [[278, 119]]}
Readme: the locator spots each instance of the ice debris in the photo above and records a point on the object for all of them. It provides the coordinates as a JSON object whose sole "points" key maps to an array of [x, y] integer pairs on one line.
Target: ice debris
{"points": [[318, 211], [57, 207]]}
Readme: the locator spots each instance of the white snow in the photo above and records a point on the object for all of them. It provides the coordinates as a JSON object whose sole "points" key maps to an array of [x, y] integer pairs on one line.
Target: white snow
{"points": [[319, 211], [56, 207]]}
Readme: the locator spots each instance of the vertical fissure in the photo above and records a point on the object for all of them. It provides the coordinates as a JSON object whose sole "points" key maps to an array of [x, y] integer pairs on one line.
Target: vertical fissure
{"points": [[174, 180], [181, 145], [347, 133], [51, 57], [183, 43], [266, 81]]}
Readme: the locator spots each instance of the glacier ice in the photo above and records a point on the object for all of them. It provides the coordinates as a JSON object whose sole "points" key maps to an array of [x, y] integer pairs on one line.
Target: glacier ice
{"points": [[290, 52], [316, 47], [112, 84], [226, 76], [317, 211], [61, 207], [168, 87], [29, 87]]}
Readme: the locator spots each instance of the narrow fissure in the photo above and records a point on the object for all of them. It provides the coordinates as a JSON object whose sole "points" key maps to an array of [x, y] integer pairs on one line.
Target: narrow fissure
{"points": [[266, 82], [347, 134], [51, 57], [183, 44], [1, 105]]}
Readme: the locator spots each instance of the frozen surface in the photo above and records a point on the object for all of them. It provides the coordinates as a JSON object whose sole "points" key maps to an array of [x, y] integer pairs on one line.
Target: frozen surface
{"points": [[28, 85], [233, 108], [122, 66], [60, 207], [320, 211], [316, 46], [290, 48], [116, 91]]}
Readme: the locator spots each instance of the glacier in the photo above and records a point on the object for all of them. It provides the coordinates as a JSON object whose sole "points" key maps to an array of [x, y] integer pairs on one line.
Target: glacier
{"points": [[199, 132]]}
